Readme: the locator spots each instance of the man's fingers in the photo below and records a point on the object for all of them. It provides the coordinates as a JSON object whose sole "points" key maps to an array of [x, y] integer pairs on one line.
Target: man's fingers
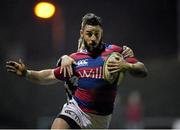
{"points": [[68, 71], [10, 67], [11, 70], [61, 69], [112, 64], [12, 63], [127, 52], [71, 71], [114, 71], [124, 49], [112, 68], [64, 70]]}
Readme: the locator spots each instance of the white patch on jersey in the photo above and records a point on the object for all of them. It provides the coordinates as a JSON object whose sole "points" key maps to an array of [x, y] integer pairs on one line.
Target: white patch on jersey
{"points": [[83, 62]]}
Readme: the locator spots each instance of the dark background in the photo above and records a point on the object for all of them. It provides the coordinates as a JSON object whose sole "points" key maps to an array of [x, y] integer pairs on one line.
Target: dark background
{"points": [[149, 27]]}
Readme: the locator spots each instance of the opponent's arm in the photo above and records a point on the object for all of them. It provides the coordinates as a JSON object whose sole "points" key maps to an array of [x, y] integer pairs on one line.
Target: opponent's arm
{"points": [[43, 77], [66, 65]]}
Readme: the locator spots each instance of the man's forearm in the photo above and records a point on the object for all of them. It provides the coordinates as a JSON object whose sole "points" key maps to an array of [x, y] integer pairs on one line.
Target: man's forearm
{"points": [[138, 69], [43, 77]]}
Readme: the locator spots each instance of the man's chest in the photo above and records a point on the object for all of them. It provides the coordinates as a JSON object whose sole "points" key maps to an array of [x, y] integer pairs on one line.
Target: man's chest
{"points": [[90, 67]]}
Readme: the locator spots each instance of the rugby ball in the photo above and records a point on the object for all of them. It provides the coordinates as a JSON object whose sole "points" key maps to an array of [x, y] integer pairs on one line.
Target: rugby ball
{"points": [[113, 78]]}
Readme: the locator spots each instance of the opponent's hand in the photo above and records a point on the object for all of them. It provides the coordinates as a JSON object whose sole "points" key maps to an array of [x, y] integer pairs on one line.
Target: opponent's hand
{"points": [[117, 64], [127, 52], [66, 65], [17, 68]]}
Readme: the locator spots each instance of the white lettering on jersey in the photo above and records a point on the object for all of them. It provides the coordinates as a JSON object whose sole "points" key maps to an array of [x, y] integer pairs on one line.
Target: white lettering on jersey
{"points": [[86, 74], [93, 73]]}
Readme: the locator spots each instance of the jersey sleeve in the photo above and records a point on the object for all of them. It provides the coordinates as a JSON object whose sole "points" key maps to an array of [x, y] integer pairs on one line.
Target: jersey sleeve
{"points": [[119, 49], [59, 75], [131, 60], [116, 48]]}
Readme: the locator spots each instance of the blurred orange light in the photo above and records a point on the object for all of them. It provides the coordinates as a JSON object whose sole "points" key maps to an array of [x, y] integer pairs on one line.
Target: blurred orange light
{"points": [[44, 10]]}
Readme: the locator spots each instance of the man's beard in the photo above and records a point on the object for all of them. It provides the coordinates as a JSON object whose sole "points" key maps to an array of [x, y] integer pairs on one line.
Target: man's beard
{"points": [[94, 47]]}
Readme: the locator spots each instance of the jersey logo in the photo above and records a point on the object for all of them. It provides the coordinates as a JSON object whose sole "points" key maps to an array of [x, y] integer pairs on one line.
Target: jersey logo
{"points": [[96, 73], [82, 63]]}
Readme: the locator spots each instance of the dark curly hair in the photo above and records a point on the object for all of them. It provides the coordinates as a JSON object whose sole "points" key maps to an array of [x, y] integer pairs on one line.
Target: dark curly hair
{"points": [[89, 19]]}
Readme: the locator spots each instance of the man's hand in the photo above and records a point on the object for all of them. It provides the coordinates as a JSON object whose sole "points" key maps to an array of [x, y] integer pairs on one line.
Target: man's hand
{"points": [[17, 68], [117, 64], [66, 65], [127, 52]]}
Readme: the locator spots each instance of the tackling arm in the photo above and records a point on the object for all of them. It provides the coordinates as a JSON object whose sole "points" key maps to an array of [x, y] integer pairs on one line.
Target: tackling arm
{"points": [[43, 77]]}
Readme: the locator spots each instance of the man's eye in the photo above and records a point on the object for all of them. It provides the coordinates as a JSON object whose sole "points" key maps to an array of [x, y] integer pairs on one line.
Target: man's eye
{"points": [[89, 34]]}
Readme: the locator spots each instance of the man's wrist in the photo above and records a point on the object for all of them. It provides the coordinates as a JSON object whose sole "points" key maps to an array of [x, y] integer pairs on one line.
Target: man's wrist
{"points": [[129, 66], [26, 73]]}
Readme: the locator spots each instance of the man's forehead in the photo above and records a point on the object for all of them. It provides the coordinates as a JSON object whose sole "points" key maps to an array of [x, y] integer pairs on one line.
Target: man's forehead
{"points": [[92, 28]]}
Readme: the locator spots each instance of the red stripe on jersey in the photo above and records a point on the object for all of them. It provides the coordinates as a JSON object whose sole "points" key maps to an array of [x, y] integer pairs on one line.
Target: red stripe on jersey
{"points": [[93, 95], [84, 94], [80, 55]]}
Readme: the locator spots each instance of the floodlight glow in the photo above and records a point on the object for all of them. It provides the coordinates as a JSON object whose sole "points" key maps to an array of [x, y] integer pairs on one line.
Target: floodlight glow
{"points": [[44, 10]]}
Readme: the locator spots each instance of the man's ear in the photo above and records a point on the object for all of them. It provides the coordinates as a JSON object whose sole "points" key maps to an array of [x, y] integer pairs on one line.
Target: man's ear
{"points": [[81, 33]]}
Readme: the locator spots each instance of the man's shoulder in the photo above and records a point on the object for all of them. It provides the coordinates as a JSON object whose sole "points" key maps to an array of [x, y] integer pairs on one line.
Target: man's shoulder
{"points": [[75, 54], [113, 47], [78, 55]]}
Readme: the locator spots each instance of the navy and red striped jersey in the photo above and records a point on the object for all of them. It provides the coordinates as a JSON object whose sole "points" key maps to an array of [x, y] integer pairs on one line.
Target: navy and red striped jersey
{"points": [[93, 94]]}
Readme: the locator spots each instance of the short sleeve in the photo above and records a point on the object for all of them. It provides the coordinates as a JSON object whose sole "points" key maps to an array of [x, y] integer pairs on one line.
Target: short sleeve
{"points": [[132, 60], [116, 48], [59, 75]]}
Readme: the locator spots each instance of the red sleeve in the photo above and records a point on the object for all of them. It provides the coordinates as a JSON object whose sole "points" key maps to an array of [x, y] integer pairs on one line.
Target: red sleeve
{"points": [[119, 49], [73, 55], [59, 75], [116, 48], [132, 60]]}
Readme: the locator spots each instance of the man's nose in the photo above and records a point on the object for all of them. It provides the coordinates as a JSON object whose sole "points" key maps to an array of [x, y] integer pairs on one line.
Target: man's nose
{"points": [[93, 38]]}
